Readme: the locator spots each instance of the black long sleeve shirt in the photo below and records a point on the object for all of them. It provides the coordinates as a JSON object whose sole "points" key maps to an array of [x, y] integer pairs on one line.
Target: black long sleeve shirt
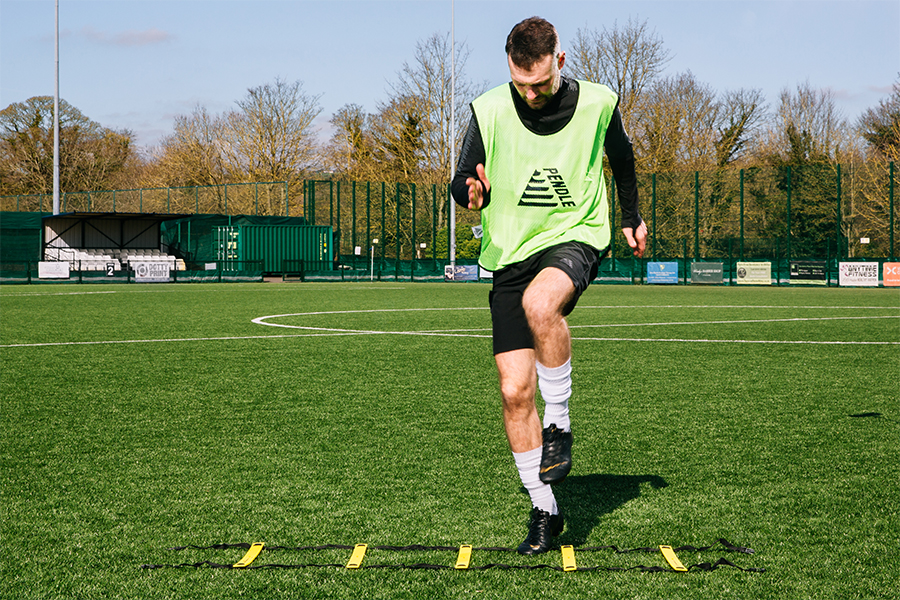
{"points": [[550, 119]]}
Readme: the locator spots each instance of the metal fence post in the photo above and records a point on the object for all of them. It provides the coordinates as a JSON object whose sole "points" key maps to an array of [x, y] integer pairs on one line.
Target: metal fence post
{"points": [[353, 216], [397, 232], [449, 194], [337, 248], [891, 208], [415, 248], [731, 261], [696, 215], [368, 214], [839, 216], [612, 236], [433, 223], [789, 235], [742, 214], [653, 210]]}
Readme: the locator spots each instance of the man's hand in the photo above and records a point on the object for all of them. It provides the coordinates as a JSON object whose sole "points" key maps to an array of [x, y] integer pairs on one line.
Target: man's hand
{"points": [[478, 188], [636, 238]]}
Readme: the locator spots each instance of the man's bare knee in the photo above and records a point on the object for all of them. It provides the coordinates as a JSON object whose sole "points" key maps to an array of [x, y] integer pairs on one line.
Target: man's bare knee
{"points": [[517, 395], [540, 313], [546, 297]]}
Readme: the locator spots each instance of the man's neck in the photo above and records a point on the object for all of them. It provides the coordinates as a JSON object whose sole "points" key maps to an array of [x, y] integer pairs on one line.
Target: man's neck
{"points": [[554, 115]]}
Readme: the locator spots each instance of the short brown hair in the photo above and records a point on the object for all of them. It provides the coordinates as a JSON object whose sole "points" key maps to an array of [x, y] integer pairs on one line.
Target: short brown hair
{"points": [[530, 41]]}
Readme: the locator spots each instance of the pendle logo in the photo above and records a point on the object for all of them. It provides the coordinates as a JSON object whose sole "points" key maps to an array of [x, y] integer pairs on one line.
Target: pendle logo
{"points": [[546, 189]]}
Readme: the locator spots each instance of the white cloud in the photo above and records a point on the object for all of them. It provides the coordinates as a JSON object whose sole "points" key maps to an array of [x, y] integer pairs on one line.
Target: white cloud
{"points": [[130, 37]]}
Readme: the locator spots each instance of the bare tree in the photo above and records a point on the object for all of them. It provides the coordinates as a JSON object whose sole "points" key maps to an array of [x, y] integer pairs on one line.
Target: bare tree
{"points": [[679, 125], [191, 155], [427, 82], [810, 114], [350, 150], [880, 126], [399, 131], [92, 157], [742, 112], [627, 59], [271, 138]]}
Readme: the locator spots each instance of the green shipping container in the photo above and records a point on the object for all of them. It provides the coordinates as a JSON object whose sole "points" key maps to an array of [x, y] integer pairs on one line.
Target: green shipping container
{"points": [[275, 244]]}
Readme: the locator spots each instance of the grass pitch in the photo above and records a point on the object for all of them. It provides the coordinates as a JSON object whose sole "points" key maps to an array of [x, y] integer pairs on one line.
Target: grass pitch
{"points": [[136, 418]]}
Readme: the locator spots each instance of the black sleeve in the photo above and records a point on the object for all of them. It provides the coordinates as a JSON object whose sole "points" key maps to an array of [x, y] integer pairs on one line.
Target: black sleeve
{"points": [[620, 154], [471, 156]]}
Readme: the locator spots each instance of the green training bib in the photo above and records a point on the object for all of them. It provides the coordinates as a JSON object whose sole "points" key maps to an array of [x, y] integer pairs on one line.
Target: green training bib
{"points": [[545, 189]]}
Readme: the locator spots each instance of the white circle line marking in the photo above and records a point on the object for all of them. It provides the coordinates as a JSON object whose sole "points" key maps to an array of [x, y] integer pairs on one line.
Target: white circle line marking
{"points": [[330, 332]]}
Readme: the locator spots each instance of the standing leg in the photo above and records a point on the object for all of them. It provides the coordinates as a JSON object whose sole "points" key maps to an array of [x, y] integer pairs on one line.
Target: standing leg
{"points": [[544, 302], [523, 430]]}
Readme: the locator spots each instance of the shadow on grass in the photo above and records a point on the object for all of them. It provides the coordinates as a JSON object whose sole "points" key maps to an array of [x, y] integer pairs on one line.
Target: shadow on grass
{"points": [[584, 499], [872, 415]]}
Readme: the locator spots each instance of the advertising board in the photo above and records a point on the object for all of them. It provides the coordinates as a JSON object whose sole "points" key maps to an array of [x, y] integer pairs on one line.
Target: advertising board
{"points": [[754, 273]]}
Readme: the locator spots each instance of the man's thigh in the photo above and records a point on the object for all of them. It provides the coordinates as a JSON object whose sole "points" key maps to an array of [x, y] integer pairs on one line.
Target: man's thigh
{"points": [[579, 262], [511, 331]]}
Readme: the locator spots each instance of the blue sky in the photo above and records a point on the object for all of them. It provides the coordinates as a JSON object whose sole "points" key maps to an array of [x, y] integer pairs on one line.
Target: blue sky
{"points": [[136, 64]]}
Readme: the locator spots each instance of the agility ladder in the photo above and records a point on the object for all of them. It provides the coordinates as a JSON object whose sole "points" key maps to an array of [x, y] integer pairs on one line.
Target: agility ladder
{"points": [[463, 560]]}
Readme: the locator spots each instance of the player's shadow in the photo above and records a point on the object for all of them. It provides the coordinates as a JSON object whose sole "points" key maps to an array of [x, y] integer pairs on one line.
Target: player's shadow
{"points": [[584, 499]]}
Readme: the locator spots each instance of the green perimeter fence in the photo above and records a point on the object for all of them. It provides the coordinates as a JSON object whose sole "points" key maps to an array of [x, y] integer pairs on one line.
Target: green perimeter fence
{"points": [[820, 212]]}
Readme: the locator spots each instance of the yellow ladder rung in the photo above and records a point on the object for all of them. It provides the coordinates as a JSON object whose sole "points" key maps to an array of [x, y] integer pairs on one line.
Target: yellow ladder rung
{"points": [[359, 552], [464, 556], [251, 555], [568, 558], [672, 559]]}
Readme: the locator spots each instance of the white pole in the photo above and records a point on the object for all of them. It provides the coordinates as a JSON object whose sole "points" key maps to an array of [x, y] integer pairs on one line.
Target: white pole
{"points": [[56, 123], [452, 132]]}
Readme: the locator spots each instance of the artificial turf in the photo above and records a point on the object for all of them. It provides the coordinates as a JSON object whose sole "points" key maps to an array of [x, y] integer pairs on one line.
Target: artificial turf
{"points": [[136, 418]]}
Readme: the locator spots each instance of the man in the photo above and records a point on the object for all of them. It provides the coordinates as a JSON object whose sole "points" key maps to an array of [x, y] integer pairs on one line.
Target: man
{"points": [[532, 164]]}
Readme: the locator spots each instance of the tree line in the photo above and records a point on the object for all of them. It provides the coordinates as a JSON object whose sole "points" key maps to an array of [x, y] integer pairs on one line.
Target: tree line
{"points": [[677, 124]]}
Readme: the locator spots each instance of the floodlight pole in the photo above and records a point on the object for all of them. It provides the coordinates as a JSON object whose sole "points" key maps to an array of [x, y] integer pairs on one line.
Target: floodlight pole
{"points": [[452, 134], [56, 122]]}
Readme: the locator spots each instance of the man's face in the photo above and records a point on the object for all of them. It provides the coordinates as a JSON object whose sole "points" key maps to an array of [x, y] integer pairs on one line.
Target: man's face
{"points": [[537, 84]]}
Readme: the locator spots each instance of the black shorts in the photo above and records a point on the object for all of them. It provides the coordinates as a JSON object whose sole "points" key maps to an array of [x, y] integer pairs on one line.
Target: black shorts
{"points": [[510, 327]]}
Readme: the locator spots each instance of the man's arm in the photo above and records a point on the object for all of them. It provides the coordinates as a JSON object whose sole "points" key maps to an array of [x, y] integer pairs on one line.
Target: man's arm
{"points": [[620, 154], [467, 182]]}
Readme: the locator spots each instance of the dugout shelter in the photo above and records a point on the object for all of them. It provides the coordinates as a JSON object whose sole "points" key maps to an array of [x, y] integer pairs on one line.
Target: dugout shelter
{"points": [[92, 241]]}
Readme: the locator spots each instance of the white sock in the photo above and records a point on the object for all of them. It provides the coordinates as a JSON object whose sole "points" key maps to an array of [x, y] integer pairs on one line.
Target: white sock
{"points": [[556, 387], [529, 465]]}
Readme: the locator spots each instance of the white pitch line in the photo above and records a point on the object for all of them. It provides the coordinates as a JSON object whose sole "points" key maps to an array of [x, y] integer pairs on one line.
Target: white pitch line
{"points": [[321, 332], [57, 294], [662, 324], [232, 288], [262, 320], [752, 306], [329, 332], [315, 332], [704, 341], [198, 339]]}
